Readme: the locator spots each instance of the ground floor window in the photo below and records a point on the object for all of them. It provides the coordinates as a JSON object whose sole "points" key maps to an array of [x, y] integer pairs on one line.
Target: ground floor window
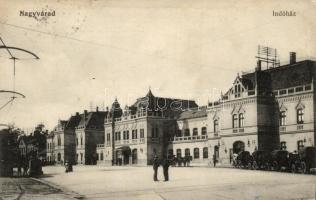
{"points": [[205, 152], [101, 156], [300, 144], [178, 153], [283, 145], [196, 153], [187, 152]]}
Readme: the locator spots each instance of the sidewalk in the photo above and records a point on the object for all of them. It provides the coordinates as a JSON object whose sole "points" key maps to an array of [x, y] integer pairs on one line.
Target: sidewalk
{"points": [[29, 188]]}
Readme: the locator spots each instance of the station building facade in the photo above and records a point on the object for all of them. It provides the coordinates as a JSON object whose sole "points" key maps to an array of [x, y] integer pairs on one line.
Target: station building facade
{"points": [[266, 109]]}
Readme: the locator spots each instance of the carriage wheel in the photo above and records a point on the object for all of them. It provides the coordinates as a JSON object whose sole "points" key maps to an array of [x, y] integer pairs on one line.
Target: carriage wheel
{"points": [[254, 165], [249, 166]]}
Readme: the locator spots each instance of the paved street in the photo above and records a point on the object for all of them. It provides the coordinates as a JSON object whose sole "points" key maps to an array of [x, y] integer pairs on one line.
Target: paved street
{"points": [[99, 182], [28, 188]]}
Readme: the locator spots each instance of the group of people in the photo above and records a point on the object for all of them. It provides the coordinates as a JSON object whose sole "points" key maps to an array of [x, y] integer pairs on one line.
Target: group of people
{"points": [[22, 163], [165, 165]]}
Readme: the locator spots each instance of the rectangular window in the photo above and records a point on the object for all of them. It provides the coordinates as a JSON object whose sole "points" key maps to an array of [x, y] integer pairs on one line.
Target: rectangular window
{"points": [[300, 144], [187, 152], [187, 132], [282, 92], [108, 138], [308, 87], [134, 134], [283, 145], [127, 135], [179, 153], [142, 134], [204, 131], [299, 89], [290, 91], [195, 132]]}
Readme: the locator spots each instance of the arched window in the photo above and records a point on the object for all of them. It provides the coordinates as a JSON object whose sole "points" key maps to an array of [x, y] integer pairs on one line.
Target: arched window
{"points": [[216, 129], [235, 121], [300, 116], [196, 153], [187, 152], [81, 140], [195, 132], [179, 153], [58, 157], [241, 120], [283, 145], [203, 131], [282, 118], [205, 152]]}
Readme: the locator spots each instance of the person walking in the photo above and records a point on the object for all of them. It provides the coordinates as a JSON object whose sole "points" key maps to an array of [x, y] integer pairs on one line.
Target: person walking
{"points": [[155, 166], [165, 166]]}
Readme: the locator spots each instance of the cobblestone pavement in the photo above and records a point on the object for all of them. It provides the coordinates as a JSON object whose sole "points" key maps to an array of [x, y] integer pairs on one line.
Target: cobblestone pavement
{"points": [[29, 189], [99, 182]]}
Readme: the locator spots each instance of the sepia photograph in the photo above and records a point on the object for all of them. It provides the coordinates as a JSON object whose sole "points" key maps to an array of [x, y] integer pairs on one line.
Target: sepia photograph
{"points": [[157, 100]]}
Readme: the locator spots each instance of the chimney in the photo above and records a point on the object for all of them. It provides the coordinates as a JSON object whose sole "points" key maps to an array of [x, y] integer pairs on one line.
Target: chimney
{"points": [[97, 109], [85, 112], [77, 113], [292, 57]]}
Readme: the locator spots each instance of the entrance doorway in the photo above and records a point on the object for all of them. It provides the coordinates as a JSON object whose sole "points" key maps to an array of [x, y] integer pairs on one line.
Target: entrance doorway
{"points": [[123, 155], [238, 147]]}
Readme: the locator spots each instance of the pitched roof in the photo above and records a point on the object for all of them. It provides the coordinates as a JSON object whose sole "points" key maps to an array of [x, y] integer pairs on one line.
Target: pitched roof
{"points": [[73, 121], [194, 113], [286, 76], [92, 119]]}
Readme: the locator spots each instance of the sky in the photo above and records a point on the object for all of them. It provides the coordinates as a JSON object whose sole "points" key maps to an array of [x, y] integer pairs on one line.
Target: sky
{"points": [[92, 52]]}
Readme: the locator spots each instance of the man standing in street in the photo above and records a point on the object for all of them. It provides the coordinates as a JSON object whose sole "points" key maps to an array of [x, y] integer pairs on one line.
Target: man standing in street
{"points": [[155, 166], [165, 166]]}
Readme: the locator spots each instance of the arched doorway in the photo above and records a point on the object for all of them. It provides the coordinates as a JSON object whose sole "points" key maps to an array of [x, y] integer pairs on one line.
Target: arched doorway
{"points": [[238, 146], [134, 156], [123, 155], [58, 157]]}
